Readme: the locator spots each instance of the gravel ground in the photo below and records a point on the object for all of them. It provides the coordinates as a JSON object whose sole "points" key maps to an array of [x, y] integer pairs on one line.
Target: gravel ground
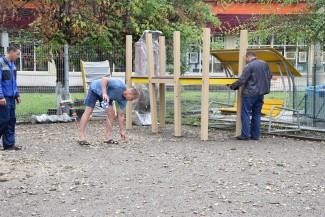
{"points": [[159, 174]]}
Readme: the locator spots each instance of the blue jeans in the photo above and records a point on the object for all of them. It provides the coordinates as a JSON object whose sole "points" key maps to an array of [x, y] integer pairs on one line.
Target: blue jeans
{"points": [[8, 122], [251, 105]]}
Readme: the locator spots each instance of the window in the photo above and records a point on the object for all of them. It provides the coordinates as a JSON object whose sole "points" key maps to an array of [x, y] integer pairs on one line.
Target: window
{"points": [[290, 55], [218, 42], [194, 57]]}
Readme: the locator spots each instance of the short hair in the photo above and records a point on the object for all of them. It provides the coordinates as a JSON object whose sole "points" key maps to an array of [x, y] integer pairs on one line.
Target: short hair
{"points": [[12, 48], [251, 53], [135, 92]]}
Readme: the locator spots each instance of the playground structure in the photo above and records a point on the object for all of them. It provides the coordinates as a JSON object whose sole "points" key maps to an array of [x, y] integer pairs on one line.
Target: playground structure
{"points": [[177, 80], [205, 80]]}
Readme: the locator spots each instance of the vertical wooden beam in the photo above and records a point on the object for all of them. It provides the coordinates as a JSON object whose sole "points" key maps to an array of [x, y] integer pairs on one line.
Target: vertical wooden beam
{"points": [[162, 86], [205, 85], [152, 92], [243, 45], [128, 74], [83, 75], [177, 85]]}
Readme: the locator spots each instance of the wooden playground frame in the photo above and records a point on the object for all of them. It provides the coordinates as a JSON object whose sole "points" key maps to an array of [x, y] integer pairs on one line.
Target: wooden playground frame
{"points": [[178, 80]]}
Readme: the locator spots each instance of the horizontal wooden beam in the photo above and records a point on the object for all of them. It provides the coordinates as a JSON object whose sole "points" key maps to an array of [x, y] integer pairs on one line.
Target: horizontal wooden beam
{"points": [[140, 79], [184, 80], [212, 81]]}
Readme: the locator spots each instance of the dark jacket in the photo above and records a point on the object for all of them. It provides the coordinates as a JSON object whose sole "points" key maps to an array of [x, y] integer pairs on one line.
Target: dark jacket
{"points": [[256, 79], [8, 84]]}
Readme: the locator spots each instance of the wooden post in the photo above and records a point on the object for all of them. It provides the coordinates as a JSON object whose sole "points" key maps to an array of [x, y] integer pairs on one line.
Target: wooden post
{"points": [[152, 92], [162, 86], [177, 85], [128, 74], [205, 85], [243, 45]]}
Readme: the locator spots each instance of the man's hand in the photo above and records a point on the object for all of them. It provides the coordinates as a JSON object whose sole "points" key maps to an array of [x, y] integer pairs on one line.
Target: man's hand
{"points": [[233, 87], [3, 102], [105, 97], [18, 99]]}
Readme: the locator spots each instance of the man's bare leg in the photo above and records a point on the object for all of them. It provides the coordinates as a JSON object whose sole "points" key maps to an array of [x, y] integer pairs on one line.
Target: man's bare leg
{"points": [[109, 122], [84, 121]]}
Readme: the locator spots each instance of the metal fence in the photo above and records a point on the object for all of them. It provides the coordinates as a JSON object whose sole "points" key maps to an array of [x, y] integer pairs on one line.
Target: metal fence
{"points": [[38, 79], [41, 74], [309, 94]]}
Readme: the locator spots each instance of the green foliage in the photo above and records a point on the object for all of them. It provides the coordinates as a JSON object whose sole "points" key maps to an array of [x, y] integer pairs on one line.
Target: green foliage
{"points": [[107, 22], [307, 25]]}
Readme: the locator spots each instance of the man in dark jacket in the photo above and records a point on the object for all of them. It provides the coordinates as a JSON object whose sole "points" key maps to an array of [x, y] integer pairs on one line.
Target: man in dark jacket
{"points": [[256, 79], [8, 97]]}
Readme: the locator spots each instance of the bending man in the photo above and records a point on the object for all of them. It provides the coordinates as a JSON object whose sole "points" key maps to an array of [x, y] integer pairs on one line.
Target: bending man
{"points": [[256, 79], [107, 90]]}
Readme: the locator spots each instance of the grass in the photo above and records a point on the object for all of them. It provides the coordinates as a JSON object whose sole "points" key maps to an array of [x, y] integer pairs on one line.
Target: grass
{"points": [[39, 103]]}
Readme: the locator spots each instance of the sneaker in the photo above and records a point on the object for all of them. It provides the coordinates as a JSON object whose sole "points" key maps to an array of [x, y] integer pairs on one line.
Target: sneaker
{"points": [[13, 148], [241, 138]]}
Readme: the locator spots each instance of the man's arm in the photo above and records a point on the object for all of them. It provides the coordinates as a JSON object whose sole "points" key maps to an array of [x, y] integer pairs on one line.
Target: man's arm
{"points": [[2, 97], [241, 80], [121, 124], [105, 81], [1, 93], [269, 71]]}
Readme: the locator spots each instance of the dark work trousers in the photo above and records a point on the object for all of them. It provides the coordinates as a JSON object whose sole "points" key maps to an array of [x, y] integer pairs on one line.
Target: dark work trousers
{"points": [[252, 105], [8, 122]]}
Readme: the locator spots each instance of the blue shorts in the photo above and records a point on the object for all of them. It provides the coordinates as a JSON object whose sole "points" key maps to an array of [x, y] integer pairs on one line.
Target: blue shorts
{"points": [[92, 98]]}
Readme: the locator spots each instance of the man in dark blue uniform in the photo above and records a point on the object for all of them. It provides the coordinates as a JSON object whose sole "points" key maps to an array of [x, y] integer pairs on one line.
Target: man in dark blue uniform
{"points": [[8, 97]]}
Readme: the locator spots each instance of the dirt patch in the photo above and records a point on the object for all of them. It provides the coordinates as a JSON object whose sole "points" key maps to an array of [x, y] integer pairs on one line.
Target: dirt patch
{"points": [[159, 174]]}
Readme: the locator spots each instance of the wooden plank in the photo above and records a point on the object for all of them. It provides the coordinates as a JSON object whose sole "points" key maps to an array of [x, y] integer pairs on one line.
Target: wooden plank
{"points": [[152, 92], [162, 86], [83, 74], [157, 80], [144, 80], [184, 80], [128, 74], [205, 85], [177, 85], [222, 81], [212, 81], [241, 64]]}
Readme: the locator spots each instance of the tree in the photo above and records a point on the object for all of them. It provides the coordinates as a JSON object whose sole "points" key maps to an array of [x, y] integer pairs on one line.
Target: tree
{"points": [[107, 22], [307, 25]]}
